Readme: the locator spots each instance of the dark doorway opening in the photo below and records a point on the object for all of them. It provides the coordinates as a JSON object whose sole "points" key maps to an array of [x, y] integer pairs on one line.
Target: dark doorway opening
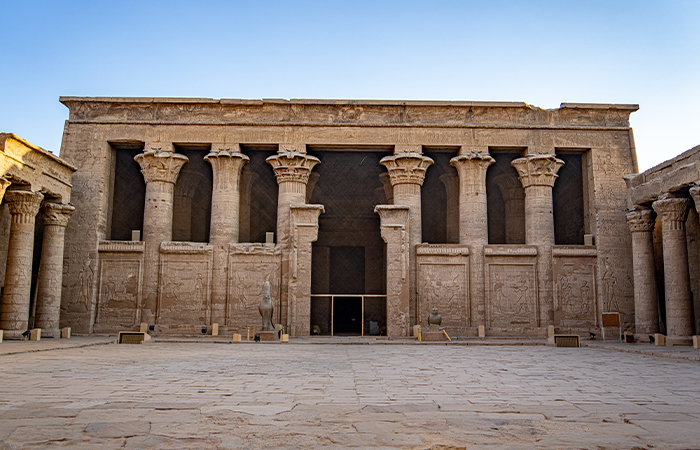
{"points": [[347, 316]]}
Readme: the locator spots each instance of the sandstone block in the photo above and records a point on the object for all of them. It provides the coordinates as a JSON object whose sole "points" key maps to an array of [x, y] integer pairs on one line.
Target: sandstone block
{"points": [[1, 333], [268, 336], [215, 329], [35, 334], [659, 339], [143, 328], [236, 338], [433, 336], [284, 338], [696, 341], [482, 331], [65, 333]]}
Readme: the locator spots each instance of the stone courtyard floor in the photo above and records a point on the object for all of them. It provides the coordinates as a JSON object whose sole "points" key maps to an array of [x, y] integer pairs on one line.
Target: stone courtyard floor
{"points": [[208, 395]]}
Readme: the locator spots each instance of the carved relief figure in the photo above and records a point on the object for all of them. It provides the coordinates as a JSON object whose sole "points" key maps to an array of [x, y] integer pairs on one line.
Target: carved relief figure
{"points": [[266, 308]]}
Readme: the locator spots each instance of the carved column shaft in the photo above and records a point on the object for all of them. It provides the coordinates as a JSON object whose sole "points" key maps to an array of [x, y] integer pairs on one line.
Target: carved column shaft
{"points": [[646, 317], [304, 221], [292, 170], [225, 206], [48, 302], [407, 172], [395, 229], [14, 317], [451, 182], [537, 174], [679, 307], [160, 170], [473, 224]]}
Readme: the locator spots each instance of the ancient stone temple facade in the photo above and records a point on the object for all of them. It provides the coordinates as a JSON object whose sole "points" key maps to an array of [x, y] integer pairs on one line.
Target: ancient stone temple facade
{"points": [[664, 203], [35, 189], [357, 212]]}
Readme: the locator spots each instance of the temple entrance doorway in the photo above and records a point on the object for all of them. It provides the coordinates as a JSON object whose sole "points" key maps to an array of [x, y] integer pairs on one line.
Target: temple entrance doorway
{"points": [[348, 273]]}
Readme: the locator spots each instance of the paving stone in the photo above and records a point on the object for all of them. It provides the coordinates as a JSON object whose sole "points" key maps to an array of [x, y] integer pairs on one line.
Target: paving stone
{"points": [[332, 397]]}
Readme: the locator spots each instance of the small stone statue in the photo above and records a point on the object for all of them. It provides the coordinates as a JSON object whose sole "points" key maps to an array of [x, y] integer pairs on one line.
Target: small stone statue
{"points": [[266, 308], [434, 320]]}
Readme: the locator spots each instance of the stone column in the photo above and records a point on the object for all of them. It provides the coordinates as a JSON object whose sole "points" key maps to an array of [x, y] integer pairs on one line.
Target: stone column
{"points": [[451, 182], [248, 179], [226, 167], [160, 169], [695, 193], [537, 174], [514, 199], [185, 189], [646, 317], [679, 307], [4, 184], [14, 317], [473, 224], [292, 169], [48, 301], [387, 187], [395, 229], [304, 231], [407, 172]]}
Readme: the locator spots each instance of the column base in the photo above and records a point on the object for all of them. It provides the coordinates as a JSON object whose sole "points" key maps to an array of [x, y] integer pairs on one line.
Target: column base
{"points": [[13, 335], [679, 340]]}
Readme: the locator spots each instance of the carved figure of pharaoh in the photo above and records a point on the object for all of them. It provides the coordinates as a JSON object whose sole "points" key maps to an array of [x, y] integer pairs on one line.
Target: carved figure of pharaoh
{"points": [[266, 308]]}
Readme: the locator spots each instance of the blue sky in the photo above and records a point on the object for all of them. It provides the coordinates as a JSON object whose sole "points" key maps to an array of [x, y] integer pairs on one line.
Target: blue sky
{"points": [[540, 52]]}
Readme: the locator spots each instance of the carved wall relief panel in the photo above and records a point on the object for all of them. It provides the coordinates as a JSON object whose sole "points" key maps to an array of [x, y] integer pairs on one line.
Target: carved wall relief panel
{"points": [[119, 293], [575, 291], [250, 266], [443, 283], [511, 294], [184, 293]]}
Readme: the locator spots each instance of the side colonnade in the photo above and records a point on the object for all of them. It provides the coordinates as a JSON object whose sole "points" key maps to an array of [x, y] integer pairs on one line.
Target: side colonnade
{"points": [[664, 197]]}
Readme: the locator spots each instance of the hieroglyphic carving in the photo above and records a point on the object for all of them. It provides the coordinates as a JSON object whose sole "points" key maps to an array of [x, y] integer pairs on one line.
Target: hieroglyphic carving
{"points": [[184, 294], [575, 296], [118, 294], [512, 295], [250, 266], [443, 286]]}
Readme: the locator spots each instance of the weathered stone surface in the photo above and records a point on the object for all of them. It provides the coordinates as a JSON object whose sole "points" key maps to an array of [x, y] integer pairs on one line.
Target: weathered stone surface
{"points": [[24, 206], [113, 285]]}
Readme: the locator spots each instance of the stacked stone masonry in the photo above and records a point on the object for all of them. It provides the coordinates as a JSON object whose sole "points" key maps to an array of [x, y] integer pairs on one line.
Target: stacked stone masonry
{"points": [[34, 183], [663, 220], [398, 225]]}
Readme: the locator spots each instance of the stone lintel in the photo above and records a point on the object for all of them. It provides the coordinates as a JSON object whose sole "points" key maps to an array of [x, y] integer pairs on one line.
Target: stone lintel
{"points": [[186, 248], [575, 250], [510, 250], [121, 246], [442, 249]]}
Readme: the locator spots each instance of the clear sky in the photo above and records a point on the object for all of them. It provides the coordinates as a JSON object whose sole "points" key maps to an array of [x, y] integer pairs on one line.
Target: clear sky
{"points": [[540, 52]]}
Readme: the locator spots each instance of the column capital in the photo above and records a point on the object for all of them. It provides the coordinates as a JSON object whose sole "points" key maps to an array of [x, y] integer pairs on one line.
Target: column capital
{"points": [[160, 165], [537, 170], [24, 203], [406, 168], [472, 160], [672, 209], [695, 193], [4, 184], [292, 166], [228, 154], [640, 220], [56, 213]]}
